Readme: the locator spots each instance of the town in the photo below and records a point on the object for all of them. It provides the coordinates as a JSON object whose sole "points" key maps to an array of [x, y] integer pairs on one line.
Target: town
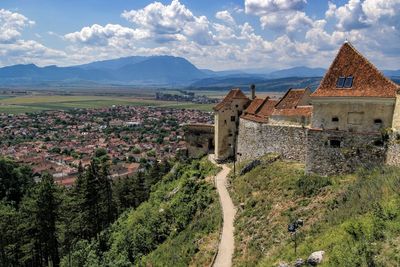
{"points": [[59, 141]]}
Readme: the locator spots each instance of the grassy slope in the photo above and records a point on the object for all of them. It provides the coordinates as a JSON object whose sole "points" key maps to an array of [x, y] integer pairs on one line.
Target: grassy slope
{"points": [[185, 210], [354, 218]]}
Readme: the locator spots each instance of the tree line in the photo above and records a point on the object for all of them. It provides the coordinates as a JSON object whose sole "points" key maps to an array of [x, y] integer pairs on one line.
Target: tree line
{"points": [[41, 222]]}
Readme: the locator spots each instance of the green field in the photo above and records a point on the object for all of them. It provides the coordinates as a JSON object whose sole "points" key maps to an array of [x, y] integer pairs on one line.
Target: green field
{"points": [[24, 104]]}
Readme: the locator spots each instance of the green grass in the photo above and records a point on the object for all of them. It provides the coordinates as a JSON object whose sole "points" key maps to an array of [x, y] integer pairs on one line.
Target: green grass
{"points": [[354, 218], [25, 104]]}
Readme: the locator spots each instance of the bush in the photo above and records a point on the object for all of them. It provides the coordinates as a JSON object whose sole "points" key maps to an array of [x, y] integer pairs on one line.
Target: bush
{"points": [[310, 185]]}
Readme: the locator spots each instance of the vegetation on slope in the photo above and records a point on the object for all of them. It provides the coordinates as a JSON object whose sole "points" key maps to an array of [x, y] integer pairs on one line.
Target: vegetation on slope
{"points": [[354, 218], [177, 225], [165, 214]]}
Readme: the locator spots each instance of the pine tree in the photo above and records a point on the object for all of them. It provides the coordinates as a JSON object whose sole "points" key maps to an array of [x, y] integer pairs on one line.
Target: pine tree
{"points": [[106, 197], [39, 214]]}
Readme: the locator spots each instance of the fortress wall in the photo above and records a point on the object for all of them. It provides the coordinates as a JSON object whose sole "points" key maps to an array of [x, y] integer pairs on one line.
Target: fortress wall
{"points": [[257, 139], [393, 152], [199, 139], [333, 152]]}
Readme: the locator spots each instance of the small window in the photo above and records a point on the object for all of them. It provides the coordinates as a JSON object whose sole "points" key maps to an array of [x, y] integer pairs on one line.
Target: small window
{"points": [[224, 121], [237, 106], [233, 118], [335, 119], [340, 82], [378, 121], [379, 142], [334, 143], [349, 82]]}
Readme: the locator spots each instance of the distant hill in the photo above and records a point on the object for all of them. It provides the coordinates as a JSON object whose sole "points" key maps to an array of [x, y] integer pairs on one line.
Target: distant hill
{"points": [[113, 64], [166, 71], [156, 70], [298, 72]]}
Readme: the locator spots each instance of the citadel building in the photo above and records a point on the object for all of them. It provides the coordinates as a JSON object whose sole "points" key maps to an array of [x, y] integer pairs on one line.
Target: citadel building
{"points": [[352, 120]]}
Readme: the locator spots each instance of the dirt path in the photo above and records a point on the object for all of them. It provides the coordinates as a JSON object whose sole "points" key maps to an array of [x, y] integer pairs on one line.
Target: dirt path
{"points": [[227, 243]]}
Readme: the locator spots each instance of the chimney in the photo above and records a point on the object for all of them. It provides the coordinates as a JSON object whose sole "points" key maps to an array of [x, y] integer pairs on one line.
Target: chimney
{"points": [[253, 91]]}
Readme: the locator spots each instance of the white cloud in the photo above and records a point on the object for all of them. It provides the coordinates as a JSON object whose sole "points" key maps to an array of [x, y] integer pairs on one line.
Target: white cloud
{"points": [[14, 50], [111, 34], [358, 14], [263, 7], [11, 25], [24, 52], [172, 22], [225, 16]]}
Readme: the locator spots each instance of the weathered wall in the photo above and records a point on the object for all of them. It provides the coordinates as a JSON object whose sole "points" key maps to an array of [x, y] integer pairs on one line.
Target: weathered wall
{"points": [[393, 151], [257, 139], [352, 114], [199, 139], [396, 113], [226, 128], [332, 152]]}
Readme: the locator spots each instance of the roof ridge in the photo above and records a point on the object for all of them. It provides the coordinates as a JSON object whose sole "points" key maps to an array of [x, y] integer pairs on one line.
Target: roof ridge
{"points": [[370, 63]]}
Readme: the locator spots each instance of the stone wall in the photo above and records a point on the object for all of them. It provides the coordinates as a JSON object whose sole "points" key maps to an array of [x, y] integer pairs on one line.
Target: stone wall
{"points": [[257, 139], [199, 139], [393, 152], [333, 152]]}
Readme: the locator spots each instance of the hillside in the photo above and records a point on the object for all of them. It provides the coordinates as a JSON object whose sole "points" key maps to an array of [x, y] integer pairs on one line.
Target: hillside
{"points": [[354, 218], [182, 213]]}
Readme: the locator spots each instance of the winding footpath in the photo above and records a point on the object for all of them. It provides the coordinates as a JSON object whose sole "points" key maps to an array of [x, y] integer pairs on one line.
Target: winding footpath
{"points": [[227, 242]]}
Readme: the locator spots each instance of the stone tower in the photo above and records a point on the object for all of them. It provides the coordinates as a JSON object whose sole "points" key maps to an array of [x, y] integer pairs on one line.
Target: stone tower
{"points": [[227, 114]]}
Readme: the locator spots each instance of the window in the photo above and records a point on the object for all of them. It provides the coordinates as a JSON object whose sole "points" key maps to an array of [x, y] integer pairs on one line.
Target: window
{"points": [[233, 118], [349, 82], [237, 106], [334, 143], [340, 82], [224, 121], [344, 82], [378, 121], [335, 119]]}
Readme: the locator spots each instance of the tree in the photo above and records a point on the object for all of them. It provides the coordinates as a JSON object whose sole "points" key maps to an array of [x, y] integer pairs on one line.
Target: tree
{"points": [[39, 214], [9, 236], [15, 181]]}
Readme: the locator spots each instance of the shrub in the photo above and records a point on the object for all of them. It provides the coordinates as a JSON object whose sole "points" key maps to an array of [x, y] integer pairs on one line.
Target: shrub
{"points": [[309, 185]]}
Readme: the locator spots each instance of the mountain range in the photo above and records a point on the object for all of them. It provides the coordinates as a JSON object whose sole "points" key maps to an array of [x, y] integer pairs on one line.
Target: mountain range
{"points": [[167, 71]]}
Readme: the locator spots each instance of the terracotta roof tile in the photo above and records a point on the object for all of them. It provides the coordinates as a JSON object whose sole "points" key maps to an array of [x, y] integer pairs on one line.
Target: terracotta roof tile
{"points": [[233, 94], [260, 109], [305, 111], [368, 81], [254, 105], [292, 98]]}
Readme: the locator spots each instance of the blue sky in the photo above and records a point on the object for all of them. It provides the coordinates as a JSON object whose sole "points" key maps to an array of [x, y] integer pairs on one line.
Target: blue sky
{"points": [[239, 34]]}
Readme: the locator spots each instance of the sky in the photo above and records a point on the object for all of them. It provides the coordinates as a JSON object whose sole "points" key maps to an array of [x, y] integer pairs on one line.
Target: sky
{"points": [[217, 35]]}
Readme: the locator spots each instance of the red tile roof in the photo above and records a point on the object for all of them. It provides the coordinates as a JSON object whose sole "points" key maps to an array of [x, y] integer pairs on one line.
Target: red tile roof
{"points": [[292, 98], [268, 107], [305, 111], [233, 94], [292, 104], [368, 81], [259, 110], [254, 105]]}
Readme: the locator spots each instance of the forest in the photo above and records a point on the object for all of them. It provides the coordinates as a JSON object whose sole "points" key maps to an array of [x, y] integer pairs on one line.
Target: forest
{"points": [[100, 222]]}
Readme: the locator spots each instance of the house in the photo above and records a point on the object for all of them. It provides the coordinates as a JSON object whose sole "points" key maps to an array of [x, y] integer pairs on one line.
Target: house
{"points": [[352, 120], [354, 95]]}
